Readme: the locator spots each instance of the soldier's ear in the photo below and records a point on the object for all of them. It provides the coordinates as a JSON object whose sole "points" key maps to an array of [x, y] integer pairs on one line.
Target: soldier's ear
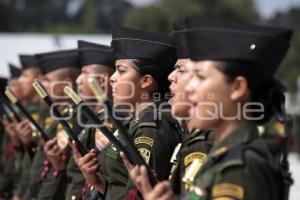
{"points": [[239, 89], [146, 81]]}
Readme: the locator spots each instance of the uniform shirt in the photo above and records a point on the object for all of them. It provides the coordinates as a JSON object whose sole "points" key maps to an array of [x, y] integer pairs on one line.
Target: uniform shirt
{"points": [[77, 187], [239, 167], [195, 146], [29, 153], [155, 134]]}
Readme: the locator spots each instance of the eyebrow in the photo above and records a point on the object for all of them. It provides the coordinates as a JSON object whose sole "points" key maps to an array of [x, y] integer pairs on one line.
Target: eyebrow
{"points": [[177, 66], [120, 65]]}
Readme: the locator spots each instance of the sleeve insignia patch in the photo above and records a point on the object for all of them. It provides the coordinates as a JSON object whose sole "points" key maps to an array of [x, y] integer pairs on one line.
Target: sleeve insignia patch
{"points": [[145, 153], [101, 141], [193, 156], [62, 139], [48, 122], [144, 140], [228, 190]]}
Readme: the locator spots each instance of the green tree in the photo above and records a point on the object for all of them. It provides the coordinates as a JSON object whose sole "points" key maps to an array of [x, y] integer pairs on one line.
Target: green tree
{"points": [[166, 12], [289, 70]]}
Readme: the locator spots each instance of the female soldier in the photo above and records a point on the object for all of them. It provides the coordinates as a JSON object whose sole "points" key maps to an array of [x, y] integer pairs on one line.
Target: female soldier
{"points": [[241, 60], [195, 144], [139, 84]]}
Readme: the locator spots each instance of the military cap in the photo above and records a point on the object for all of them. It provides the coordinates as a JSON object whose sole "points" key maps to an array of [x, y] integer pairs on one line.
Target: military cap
{"points": [[91, 53], [129, 43], [180, 40], [3, 83], [55, 60], [220, 40], [15, 72], [28, 61]]}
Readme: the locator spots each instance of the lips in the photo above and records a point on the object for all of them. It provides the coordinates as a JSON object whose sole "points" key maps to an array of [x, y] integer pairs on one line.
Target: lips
{"points": [[114, 91], [172, 94]]}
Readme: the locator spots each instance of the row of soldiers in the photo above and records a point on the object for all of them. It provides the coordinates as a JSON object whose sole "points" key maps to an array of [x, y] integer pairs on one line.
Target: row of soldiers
{"points": [[159, 91]]}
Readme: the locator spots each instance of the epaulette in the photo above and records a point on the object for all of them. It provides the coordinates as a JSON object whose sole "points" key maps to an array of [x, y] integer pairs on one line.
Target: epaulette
{"points": [[233, 157], [201, 136], [148, 119]]}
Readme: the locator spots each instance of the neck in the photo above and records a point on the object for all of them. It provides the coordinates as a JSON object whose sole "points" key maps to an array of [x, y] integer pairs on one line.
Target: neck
{"points": [[33, 98], [225, 128]]}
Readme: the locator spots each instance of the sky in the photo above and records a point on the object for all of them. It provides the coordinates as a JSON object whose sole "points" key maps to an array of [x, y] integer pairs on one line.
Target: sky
{"points": [[266, 8]]}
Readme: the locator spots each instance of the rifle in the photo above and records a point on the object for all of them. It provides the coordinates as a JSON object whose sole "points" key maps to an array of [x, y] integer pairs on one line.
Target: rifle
{"points": [[11, 96], [132, 153], [9, 110], [46, 98], [92, 116]]}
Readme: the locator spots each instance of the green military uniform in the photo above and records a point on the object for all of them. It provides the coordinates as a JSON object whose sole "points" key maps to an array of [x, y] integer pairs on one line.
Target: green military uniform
{"points": [[23, 187], [10, 169], [154, 138], [112, 170], [77, 188], [39, 161], [239, 167], [54, 182], [194, 147]]}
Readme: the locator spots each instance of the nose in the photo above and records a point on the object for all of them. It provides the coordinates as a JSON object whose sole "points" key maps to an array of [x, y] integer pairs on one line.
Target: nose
{"points": [[79, 79], [173, 76], [113, 78]]}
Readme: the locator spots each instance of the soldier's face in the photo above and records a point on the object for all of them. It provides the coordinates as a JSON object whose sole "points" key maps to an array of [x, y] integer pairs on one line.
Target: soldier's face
{"points": [[55, 84], [178, 79], [82, 82], [125, 83], [26, 79], [210, 96], [16, 88]]}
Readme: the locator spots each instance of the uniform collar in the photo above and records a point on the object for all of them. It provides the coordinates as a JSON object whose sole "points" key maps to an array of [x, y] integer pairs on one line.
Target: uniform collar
{"points": [[245, 133]]}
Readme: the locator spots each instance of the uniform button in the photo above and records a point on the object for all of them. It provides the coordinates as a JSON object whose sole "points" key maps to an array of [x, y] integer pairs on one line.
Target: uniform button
{"points": [[34, 134], [91, 188], [252, 46], [73, 197]]}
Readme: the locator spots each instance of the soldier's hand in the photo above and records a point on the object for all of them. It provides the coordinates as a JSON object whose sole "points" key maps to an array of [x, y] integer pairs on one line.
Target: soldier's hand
{"points": [[89, 166], [56, 155], [16, 198], [10, 127], [161, 191], [132, 170], [25, 130]]}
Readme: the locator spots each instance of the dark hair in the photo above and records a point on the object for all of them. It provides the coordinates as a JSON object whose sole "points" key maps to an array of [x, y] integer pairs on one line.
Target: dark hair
{"points": [[264, 88], [158, 72]]}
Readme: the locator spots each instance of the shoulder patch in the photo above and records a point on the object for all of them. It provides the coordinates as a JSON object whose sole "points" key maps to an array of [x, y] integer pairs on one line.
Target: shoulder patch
{"points": [[48, 122], [101, 142], [62, 139], [144, 140], [35, 116], [195, 155], [228, 190], [145, 153]]}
